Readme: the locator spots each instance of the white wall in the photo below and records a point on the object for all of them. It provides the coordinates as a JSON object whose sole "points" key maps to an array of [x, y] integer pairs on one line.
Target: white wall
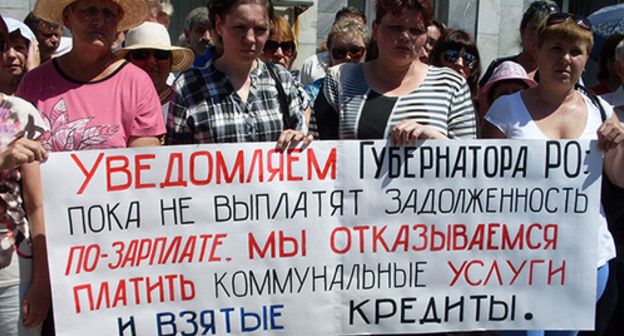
{"points": [[498, 28], [17, 9], [305, 30]]}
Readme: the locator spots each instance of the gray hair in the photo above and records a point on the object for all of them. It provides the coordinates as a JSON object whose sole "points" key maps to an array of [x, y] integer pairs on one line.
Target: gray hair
{"points": [[166, 7], [198, 15], [162, 6], [619, 52]]}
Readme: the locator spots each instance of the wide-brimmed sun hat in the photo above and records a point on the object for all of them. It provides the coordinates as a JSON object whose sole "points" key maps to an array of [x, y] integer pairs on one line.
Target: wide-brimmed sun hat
{"points": [[135, 12], [151, 35], [508, 70]]}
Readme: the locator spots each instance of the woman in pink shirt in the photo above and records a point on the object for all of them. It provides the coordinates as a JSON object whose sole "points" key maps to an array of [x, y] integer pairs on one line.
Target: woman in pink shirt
{"points": [[89, 98]]}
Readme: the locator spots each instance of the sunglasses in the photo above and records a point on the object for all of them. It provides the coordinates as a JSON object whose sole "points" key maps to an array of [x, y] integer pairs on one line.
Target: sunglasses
{"points": [[271, 46], [3, 45], [143, 54], [452, 56], [537, 5], [354, 52], [558, 18]]}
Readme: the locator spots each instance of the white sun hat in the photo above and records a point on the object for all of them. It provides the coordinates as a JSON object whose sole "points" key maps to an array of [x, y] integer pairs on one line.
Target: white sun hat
{"points": [[13, 25], [151, 35], [135, 12]]}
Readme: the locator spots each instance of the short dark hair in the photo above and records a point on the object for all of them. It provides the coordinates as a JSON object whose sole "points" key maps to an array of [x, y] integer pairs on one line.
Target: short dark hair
{"points": [[33, 22], [350, 11], [538, 14], [398, 7], [608, 53], [440, 25]]}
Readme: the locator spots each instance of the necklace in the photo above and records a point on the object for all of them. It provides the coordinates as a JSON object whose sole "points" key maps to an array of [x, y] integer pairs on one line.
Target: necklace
{"points": [[164, 95]]}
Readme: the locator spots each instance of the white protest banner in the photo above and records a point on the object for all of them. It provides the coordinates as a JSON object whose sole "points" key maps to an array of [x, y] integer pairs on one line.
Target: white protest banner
{"points": [[334, 238]]}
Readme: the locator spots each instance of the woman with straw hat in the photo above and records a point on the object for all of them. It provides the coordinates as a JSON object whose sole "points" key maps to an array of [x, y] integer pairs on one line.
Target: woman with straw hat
{"points": [[148, 46], [90, 98]]}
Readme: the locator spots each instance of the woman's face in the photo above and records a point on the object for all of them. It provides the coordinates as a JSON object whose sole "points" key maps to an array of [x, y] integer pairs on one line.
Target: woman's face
{"points": [[347, 49], [156, 63], [433, 35], [562, 60], [400, 37], [529, 36], [244, 32], [14, 58], [507, 87], [279, 51], [460, 61], [93, 22]]}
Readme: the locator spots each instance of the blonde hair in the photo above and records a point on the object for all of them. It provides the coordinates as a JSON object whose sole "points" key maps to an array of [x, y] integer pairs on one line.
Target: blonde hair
{"points": [[281, 28], [567, 30], [348, 26]]}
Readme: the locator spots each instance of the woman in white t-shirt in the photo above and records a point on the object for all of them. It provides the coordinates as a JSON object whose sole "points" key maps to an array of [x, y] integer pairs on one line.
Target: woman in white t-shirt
{"points": [[554, 109]]}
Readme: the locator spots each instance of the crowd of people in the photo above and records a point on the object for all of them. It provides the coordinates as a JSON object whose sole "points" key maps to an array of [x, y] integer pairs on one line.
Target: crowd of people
{"points": [[119, 82]]}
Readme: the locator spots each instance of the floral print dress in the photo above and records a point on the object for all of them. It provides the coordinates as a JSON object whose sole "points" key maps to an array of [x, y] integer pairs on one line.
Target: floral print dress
{"points": [[18, 119]]}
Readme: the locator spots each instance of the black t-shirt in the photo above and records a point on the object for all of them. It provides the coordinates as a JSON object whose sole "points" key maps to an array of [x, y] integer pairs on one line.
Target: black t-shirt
{"points": [[375, 114]]}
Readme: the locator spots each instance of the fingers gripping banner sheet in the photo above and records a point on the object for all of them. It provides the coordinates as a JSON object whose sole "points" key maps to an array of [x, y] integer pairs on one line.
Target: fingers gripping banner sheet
{"points": [[333, 238]]}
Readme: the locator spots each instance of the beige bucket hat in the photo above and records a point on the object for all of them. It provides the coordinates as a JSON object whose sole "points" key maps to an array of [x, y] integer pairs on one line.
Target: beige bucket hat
{"points": [[151, 35], [135, 11]]}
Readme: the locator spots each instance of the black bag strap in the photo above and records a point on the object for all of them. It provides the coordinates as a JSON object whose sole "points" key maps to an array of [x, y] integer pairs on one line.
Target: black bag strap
{"points": [[282, 96], [612, 195], [594, 100]]}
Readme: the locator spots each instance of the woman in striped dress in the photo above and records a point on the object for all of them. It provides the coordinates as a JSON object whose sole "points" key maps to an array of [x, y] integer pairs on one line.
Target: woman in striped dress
{"points": [[396, 96]]}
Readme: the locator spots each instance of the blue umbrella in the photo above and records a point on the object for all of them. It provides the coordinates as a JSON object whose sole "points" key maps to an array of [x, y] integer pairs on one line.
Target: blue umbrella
{"points": [[606, 21]]}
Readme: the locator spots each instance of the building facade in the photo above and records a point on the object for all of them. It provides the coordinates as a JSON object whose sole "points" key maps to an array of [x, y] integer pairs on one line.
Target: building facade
{"points": [[494, 23]]}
